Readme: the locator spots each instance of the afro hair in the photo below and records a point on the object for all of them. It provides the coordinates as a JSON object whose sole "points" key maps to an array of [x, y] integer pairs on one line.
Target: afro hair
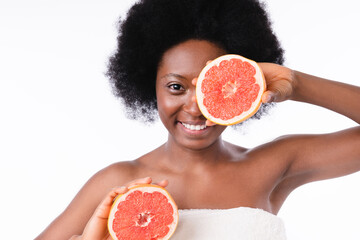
{"points": [[154, 26]]}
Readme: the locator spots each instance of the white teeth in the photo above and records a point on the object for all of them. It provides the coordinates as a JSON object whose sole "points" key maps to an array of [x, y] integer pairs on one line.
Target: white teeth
{"points": [[194, 127]]}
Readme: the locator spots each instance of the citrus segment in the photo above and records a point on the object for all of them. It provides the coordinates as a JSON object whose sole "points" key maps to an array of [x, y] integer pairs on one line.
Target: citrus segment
{"points": [[229, 89], [145, 212]]}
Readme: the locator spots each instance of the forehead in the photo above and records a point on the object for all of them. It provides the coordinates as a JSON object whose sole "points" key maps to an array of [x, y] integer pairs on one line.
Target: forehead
{"points": [[189, 58]]}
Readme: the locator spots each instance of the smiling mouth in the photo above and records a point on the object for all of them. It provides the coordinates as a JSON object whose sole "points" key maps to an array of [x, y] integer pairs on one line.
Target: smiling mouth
{"points": [[194, 127]]}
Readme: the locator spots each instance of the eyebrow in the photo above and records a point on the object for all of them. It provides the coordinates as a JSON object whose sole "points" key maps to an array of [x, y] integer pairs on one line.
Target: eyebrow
{"points": [[173, 75]]}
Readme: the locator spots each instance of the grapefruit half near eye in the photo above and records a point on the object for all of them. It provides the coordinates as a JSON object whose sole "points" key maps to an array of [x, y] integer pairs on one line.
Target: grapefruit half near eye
{"points": [[229, 89], [145, 212]]}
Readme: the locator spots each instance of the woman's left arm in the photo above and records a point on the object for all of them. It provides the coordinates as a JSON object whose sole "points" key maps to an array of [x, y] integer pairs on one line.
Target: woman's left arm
{"points": [[322, 156], [339, 97], [284, 84]]}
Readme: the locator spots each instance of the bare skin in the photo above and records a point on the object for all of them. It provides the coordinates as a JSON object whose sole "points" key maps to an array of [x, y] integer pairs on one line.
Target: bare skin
{"points": [[196, 164]]}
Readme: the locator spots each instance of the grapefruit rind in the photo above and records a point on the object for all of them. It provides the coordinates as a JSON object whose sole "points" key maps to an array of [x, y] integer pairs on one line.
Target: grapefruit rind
{"points": [[260, 80], [149, 188]]}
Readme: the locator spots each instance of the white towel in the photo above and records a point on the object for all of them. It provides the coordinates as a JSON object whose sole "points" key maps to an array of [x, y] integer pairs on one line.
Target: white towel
{"points": [[229, 224]]}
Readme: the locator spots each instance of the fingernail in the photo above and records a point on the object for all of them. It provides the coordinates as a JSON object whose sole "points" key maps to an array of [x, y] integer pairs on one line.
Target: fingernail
{"points": [[209, 123], [268, 97], [121, 189]]}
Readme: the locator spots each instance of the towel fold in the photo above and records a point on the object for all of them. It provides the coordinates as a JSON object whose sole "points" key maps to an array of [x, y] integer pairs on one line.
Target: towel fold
{"points": [[229, 224]]}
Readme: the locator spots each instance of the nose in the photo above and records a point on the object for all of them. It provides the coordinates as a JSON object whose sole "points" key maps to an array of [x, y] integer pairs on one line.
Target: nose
{"points": [[191, 105]]}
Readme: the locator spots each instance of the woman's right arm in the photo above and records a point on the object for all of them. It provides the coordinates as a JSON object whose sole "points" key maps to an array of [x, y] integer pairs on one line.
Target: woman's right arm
{"points": [[75, 217], [96, 228]]}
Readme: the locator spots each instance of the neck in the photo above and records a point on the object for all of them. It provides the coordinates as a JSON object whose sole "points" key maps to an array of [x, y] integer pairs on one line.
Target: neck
{"points": [[181, 158]]}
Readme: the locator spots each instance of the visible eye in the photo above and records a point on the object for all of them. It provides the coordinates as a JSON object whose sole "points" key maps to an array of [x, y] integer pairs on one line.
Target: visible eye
{"points": [[176, 87]]}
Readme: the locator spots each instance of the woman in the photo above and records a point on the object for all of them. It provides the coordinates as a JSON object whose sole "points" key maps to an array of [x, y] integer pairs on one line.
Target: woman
{"points": [[163, 45]]}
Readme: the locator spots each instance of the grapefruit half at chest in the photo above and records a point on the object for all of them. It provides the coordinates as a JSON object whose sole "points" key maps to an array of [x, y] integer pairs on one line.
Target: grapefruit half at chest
{"points": [[145, 212], [229, 89]]}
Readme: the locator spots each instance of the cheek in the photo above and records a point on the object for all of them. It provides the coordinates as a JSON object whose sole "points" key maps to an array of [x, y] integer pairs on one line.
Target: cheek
{"points": [[167, 106]]}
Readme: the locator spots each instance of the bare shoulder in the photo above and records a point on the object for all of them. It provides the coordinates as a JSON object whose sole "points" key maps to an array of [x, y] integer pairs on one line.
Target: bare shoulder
{"points": [[73, 220], [115, 174], [119, 173], [277, 151], [104, 180], [280, 154], [280, 148]]}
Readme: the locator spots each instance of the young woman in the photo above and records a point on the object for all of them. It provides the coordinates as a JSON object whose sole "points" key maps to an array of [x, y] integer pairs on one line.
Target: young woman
{"points": [[163, 45]]}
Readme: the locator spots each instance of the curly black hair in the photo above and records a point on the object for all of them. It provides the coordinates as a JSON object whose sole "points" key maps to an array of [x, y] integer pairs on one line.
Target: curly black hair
{"points": [[154, 26]]}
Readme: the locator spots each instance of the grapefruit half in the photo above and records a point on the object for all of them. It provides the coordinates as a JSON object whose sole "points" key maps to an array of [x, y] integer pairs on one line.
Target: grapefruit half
{"points": [[229, 89], [145, 212]]}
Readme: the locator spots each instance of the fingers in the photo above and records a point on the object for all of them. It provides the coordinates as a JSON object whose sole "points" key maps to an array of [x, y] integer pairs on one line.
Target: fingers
{"points": [[75, 237], [267, 97], [96, 226], [193, 99], [194, 81], [209, 123], [145, 180], [278, 91], [279, 82], [102, 211], [163, 183]]}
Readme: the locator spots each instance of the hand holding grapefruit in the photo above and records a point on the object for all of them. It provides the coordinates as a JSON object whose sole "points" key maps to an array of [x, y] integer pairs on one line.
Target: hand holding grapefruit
{"points": [[145, 212], [98, 227], [280, 81], [229, 89]]}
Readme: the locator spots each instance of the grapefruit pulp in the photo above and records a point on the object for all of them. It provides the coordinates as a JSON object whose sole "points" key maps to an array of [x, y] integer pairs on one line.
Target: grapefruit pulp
{"points": [[145, 212], [229, 89]]}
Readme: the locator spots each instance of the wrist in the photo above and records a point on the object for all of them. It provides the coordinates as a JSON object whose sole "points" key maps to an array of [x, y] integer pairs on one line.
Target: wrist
{"points": [[296, 85]]}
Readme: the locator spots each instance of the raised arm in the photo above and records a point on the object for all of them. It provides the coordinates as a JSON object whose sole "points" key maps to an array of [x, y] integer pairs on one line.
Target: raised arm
{"points": [[316, 157], [339, 97], [284, 84]]}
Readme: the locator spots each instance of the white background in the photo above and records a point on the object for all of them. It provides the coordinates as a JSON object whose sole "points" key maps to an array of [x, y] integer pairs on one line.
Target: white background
{"points": [[60, 123]]}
